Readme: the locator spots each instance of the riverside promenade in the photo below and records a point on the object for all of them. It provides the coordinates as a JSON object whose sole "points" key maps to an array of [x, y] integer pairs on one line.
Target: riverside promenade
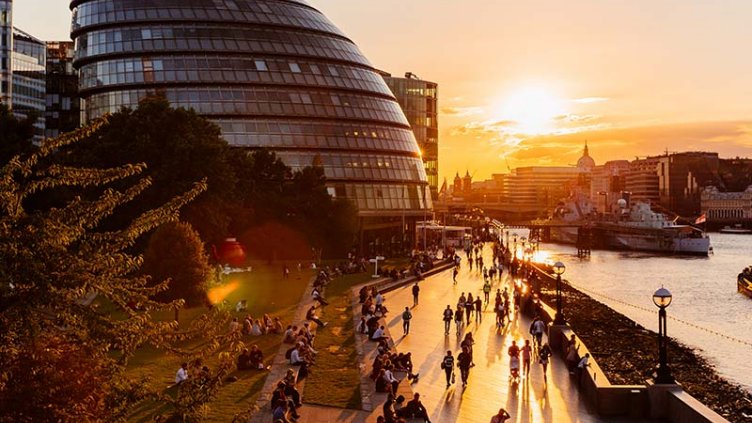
{"points": [[489, 387]]}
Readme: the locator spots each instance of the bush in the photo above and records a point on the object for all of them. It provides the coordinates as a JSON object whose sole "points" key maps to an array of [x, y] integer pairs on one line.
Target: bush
{"points": [[175, 252]]}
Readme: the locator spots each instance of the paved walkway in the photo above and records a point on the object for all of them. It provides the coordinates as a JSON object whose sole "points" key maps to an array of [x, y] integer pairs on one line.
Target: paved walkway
{"points": [[489, 387]]}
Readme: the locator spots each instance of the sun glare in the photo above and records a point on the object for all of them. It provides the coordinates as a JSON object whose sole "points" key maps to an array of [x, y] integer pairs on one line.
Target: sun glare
{"points": [[532, 109]]}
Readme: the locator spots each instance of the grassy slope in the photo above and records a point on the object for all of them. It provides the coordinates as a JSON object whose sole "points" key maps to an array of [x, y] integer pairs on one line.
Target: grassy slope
{"points": [[335, 379], [266, 292]]}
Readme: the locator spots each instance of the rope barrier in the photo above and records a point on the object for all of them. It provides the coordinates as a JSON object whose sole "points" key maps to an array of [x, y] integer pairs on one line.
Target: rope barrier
{"points": [[645, 309]]}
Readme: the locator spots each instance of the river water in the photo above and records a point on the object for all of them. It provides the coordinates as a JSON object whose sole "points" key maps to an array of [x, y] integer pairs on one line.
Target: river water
{"points": [[703, 288]]}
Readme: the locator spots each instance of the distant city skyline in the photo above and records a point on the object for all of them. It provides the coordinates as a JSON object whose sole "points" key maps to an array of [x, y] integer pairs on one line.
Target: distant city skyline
{"points": [[526, 84]]}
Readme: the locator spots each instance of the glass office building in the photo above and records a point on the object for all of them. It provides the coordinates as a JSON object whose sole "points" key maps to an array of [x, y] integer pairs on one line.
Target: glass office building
{"points": [[419, 101], [270, 73], [63, 113], [6, 51], [28, 65]]}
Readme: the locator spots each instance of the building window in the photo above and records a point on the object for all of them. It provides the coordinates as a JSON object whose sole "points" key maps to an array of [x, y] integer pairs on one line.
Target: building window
{"points": [[294, 67], [260, 65]]}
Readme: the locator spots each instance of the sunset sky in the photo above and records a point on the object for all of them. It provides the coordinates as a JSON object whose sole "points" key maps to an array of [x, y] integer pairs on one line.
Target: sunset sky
{"points": [[527, 82]]}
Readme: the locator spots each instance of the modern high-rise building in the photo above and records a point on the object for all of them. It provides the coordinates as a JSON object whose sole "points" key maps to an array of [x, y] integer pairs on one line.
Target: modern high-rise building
{"points": [[419, 101], [681, 178], [22, 70], [29, 73], [271, 73], [6, 51], [63, 113]]}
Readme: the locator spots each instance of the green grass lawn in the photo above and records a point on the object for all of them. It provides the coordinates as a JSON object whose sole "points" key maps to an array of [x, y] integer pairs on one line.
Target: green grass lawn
{"points": [[335, 379], [266, 292]]}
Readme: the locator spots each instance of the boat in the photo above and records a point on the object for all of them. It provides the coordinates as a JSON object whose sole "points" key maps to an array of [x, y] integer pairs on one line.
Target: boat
{"points": [[736, 229], [744, 282], [633, 227]]}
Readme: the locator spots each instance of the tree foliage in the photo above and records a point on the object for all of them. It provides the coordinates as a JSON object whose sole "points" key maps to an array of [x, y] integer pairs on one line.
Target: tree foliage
{"points": [[63, 357], [246, 191], [175, 253], [16, 135]]}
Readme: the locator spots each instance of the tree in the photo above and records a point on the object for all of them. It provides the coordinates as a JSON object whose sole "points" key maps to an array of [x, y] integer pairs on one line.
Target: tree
{"points": [[178, 148], [16, 135], [52, 263], [176, 253]]}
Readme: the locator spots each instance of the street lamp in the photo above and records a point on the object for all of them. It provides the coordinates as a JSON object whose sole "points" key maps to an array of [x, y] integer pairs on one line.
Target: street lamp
{"points": [[559, 269], [662, 299]]}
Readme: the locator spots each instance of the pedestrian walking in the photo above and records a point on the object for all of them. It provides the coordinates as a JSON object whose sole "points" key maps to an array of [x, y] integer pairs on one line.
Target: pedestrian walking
{"points": [[458, 316], [448, 315], [464, 360], [543, 355], [406, 317], [500, 315], [454, 274], [486, 291], [478, 305], [536, 329], [416, 291], [469, 306], [447, 364], [527, 352]]}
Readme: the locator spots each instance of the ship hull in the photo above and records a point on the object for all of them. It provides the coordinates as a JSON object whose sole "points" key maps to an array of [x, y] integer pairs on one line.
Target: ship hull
{"points": [[632, 240]]}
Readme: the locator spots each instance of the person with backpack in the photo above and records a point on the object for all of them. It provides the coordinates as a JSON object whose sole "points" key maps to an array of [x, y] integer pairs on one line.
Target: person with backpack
{"points": [[406, 316], [447, 364], [448, 315]]}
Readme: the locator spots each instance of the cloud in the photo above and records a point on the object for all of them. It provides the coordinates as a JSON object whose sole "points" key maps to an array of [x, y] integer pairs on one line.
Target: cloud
{"points": [[461, 111], [570, 117], [587, 100]]}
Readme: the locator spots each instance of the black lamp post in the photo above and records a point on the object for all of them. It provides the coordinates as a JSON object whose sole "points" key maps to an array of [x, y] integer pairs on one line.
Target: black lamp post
{"points": [[662, 299], [559, 269]]}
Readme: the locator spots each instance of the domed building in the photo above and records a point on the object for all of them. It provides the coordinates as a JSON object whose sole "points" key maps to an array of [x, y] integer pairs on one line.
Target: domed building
{"points": [[586, 163], [271, 73]]}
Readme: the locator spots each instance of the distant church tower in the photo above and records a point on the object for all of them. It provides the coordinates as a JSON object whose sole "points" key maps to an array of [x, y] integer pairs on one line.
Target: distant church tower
{"points": [[467, 185], [457, 187]]}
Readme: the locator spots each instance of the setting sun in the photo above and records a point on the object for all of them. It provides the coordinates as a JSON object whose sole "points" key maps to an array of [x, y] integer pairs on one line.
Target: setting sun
{"points": [[532, 109]]}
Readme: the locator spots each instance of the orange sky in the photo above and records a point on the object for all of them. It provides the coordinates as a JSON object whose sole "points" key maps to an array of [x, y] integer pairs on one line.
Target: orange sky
{"points": [[527, 82]]}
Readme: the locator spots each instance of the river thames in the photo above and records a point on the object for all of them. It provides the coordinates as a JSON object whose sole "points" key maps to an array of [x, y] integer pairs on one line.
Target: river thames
{"points": [[703, 288]]}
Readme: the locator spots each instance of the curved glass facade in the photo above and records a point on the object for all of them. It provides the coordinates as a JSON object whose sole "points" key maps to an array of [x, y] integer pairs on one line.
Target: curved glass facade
{"points": [[271, 73]]}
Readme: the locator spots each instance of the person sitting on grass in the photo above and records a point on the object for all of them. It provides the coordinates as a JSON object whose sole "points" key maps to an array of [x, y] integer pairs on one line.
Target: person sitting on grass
{"points": [[244, 360], [266, 323], [277, 327], [311, 315], [256, 328], [256, 358], [234, 325], [182, 374], [290, 334]]}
